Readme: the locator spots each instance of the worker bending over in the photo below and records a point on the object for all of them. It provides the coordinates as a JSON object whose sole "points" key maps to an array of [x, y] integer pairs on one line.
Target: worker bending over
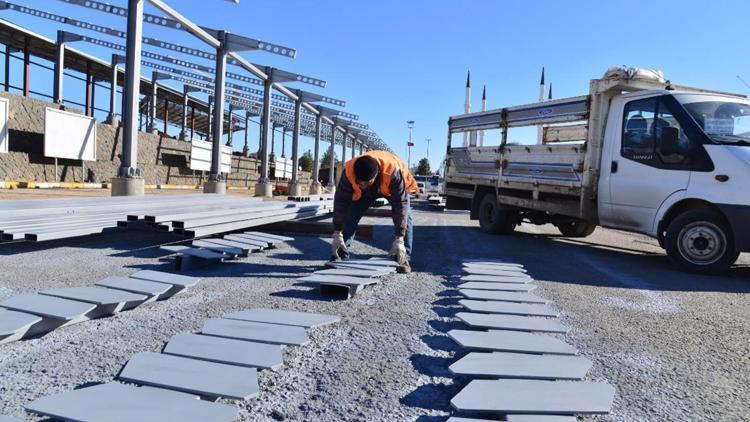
{"points": [[370, 176]]}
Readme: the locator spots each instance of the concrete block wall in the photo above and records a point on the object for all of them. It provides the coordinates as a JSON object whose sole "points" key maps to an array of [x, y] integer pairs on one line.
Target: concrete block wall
{"points": [[163, 160]]}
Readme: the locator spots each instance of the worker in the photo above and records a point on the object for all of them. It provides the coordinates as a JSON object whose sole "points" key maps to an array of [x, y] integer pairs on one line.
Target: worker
{"points": [[373, 175]]}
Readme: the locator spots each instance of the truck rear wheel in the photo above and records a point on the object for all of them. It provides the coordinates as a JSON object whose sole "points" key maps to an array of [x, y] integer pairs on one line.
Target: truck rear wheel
{"points": [[493, 219], [701, 241], [576, 228]]}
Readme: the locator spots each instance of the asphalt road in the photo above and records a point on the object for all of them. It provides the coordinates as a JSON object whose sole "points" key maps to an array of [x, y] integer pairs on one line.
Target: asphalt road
{"points": [[676, 346]]}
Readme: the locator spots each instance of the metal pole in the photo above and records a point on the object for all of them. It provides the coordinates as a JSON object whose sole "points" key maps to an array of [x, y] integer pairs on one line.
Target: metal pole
{"points": [[192, 121], [152, 104], [129, 166], [331, 175], [283, 142], [273, 139], [231, 125], [210, 118], [183, 131], [354, 147], [295, 189], [165, 115], [87, 107], [245, 148], [408, 162], [93, 96], [7, 68], [112, 118], [343, 151], [57, 91], [315, 186], [216, 182], [263, 188], [26, 67]]}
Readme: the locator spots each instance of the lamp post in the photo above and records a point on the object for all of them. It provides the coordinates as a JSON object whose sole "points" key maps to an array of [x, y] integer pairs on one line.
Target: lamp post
{"points": [[428, 140], [410, 125]]}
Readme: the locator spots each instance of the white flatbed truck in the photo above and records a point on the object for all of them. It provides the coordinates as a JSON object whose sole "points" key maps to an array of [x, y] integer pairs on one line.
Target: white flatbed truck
{"points": [[637, 153]]}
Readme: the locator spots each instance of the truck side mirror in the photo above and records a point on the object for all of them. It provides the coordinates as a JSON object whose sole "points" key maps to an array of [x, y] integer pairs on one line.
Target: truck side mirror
{"points": [[669, 143]]}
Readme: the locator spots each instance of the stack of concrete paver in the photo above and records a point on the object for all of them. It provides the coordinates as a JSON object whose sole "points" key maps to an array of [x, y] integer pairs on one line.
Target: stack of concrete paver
{"points": [[32, 315], [220, 362], [214, 250], [350, 276], [519, 369]]}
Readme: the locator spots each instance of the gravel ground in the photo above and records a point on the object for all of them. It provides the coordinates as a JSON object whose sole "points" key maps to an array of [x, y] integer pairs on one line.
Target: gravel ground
{"points": [[676, 346]]}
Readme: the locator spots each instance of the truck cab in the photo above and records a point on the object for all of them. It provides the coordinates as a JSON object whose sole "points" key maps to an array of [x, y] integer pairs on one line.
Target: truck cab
{"points": [[679, 156], [637, 153]]}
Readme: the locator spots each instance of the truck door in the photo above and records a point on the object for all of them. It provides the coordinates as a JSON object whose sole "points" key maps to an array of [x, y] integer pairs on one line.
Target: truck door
{"points": [[640, 175]]}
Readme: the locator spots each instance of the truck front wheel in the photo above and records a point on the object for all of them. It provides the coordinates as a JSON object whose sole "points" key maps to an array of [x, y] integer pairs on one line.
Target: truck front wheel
{"points": [[576, 228], [493, 219], [701, 241]]}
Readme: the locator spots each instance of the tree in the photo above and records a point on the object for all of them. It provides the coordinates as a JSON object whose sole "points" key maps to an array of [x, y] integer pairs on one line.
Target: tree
{"points": [[325, 162], [423, 169], [306, 161]]}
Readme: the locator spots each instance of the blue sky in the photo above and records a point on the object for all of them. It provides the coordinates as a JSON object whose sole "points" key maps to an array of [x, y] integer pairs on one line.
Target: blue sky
{"points": [[394, 61]]}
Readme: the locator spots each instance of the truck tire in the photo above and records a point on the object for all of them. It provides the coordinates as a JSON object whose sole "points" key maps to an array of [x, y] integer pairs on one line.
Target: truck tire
{"points": [[576, 228], [701, 241], [494, 220]]}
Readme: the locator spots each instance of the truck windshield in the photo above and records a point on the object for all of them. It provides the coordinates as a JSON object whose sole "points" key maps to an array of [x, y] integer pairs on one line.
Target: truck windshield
{"points": [[723, 119]]}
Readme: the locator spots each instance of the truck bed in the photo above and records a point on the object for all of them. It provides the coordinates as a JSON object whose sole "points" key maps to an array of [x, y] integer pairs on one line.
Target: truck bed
{"points": [[544, 168]]}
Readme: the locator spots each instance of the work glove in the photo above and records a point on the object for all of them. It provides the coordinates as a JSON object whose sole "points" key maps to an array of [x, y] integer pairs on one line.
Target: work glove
{"points": [[399, 250], [337, 244]]}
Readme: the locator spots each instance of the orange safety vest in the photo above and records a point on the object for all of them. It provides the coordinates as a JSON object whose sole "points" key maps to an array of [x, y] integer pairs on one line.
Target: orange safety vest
{"points": [[387, 163]]}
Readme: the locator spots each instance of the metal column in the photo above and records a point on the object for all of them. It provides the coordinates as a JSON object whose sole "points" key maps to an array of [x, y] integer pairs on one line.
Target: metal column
{"points": [[26, 67], [295, 189], [192, 121], [112, 118], [57, 90], [210, 117], [264, 188], [165, 116], [216, 183], [245, 148], [315, 187], [231, 125], [354, 148], [283, 142], [331, 173], [128, 180], [273, 140], [185, 98], [89, 88], [152, 104], [343, 152], [7, 68]]}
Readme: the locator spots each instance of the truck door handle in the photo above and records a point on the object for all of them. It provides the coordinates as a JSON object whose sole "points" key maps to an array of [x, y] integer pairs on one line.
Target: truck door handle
{"points": [[614, 168]]}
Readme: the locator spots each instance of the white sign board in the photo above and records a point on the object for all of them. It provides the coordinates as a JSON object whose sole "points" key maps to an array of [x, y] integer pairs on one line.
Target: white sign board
{"points": [[200, 156], [69, 135], [4, 107], [283, 168]]}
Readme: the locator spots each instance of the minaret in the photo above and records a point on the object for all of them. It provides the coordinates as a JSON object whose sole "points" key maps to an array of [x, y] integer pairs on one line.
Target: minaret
{"points": [[549, 97], [484, 108], [539, 132], [467, 104]]}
